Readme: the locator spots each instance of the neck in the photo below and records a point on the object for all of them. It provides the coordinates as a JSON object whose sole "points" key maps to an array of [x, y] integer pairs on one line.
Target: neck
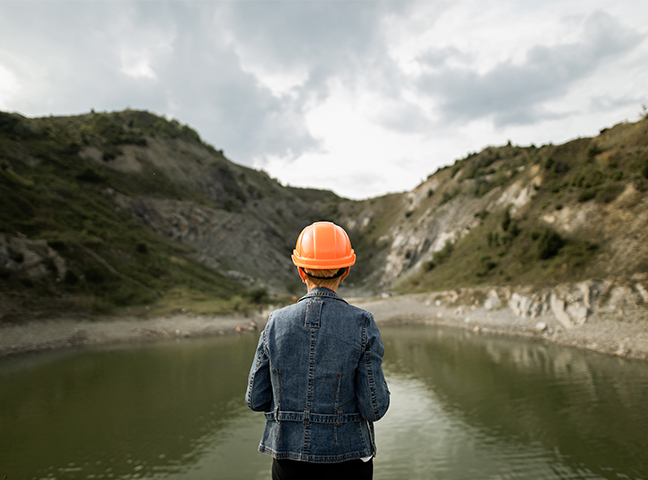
{"points": [[310, 286]]}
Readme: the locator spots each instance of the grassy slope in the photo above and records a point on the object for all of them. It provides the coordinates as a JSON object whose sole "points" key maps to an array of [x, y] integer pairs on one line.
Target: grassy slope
{"points": [[524, 249], [48, 192]]}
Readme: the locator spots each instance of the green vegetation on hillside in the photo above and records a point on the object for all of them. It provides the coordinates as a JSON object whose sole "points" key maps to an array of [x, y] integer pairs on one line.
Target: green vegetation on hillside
{"points": [[525, 252], [524, 249], [49, 193]]}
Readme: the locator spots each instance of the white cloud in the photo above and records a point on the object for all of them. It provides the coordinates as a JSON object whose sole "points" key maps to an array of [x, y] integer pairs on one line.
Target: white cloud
{"points": [[8, 86], [136, 64], [383, 91]]}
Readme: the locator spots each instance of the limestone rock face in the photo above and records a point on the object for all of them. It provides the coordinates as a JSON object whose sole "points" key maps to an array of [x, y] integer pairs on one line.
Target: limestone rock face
{"points": [[493, 301]]}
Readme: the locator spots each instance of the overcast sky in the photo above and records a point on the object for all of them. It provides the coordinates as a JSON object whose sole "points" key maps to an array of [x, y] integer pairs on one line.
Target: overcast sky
{"points": [[364, 97]]}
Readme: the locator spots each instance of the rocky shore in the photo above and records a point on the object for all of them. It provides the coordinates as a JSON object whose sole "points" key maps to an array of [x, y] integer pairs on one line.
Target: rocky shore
{"points": [[600, 316], [605, 317]]}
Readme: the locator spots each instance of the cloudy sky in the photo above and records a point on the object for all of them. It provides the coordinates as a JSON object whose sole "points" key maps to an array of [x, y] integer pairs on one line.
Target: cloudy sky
{"points": [[362, 97]]}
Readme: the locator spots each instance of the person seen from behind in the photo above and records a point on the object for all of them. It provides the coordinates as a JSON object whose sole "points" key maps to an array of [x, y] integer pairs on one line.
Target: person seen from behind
{"points": [[317, 372]]}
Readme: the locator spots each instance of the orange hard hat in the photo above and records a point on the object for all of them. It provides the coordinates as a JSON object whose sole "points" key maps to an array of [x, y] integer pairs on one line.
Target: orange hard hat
{"points": [[323, 245]]}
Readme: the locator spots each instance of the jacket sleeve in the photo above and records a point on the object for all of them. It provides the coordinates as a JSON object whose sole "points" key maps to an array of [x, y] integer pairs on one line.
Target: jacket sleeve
{"points": [[371, 387], [259, 389]]}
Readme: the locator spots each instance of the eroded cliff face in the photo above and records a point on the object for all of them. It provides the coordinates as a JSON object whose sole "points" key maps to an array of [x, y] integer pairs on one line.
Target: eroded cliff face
{"points": [[241, 224], [240, 247]]}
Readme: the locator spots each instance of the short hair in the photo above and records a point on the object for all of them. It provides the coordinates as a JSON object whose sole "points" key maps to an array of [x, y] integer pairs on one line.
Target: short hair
{"points": [[323, 282]]}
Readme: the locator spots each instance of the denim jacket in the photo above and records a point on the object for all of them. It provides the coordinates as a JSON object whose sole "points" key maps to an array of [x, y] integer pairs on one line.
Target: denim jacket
{"points": [[317, 375]]}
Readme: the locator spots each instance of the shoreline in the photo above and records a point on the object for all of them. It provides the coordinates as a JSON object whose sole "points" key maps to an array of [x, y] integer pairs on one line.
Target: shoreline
{"points": [[47, 335], [626, 339], [601, 334]]}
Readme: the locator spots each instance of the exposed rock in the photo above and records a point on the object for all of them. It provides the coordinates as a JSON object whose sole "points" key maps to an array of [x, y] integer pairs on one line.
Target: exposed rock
{"points": [[240, 247], [642, 291], [32, 258], [493, 301]]}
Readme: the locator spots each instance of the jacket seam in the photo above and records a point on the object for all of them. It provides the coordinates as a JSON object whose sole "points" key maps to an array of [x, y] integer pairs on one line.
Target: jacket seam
{"points": [[257, 361], [370, 376]]}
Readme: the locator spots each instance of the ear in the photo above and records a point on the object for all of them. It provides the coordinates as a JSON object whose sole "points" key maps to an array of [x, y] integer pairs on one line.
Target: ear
{"points": [[344, 275], [302, 275]]}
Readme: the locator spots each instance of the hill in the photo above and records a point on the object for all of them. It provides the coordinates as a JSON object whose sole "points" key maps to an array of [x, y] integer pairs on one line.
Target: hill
{"points": [[516, 215], [127, 210]]}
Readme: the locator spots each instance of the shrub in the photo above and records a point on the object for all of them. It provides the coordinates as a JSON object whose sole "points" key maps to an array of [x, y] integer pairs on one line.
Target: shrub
{"points": [[90, 175], [561, 167], [142, 247], [17, 257], [482, 188], [593, 151], [428, 265], [95, 275], [258, 294], [493, 239], [549, 163], [110, 153], [445, 252], [70, 278], [447, 196], [58, 245], [50, 266], [514, 229], [229, 205], [549, 244], [506, 220], [587, 195], [608, 193], [485, 266], [641, 185]]}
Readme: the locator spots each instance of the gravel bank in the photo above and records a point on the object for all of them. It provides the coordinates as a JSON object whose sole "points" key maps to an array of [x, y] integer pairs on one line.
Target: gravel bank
{"points": [[56, 334], [628, 339]]}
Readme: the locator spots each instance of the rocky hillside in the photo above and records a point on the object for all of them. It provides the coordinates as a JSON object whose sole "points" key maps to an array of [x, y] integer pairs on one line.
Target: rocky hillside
{"points": [[128, 209], [116, 210], [515, 215]]}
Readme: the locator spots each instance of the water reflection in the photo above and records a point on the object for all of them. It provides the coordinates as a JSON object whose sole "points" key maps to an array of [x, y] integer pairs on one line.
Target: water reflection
{"points": [[128, 413], [463, 406], [489, 407]]}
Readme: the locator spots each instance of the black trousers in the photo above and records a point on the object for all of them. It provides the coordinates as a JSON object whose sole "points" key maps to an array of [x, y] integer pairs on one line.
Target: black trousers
{"points": [[349, 470]]}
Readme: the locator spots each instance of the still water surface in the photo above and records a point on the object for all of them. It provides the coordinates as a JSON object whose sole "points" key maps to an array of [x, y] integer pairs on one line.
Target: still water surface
{"points": [[464, 406]]}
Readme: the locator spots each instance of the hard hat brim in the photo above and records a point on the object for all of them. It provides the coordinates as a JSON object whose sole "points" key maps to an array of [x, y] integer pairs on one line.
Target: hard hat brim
{"points": [[323, 264]]}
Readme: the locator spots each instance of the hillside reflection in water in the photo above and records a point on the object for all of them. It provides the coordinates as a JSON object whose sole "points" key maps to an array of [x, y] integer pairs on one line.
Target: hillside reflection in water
{"points": [[473, 406], [463, 406]]}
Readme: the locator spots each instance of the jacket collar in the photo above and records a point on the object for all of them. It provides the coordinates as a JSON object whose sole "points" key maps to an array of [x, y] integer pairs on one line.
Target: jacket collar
{"points": [[322, 292]]}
